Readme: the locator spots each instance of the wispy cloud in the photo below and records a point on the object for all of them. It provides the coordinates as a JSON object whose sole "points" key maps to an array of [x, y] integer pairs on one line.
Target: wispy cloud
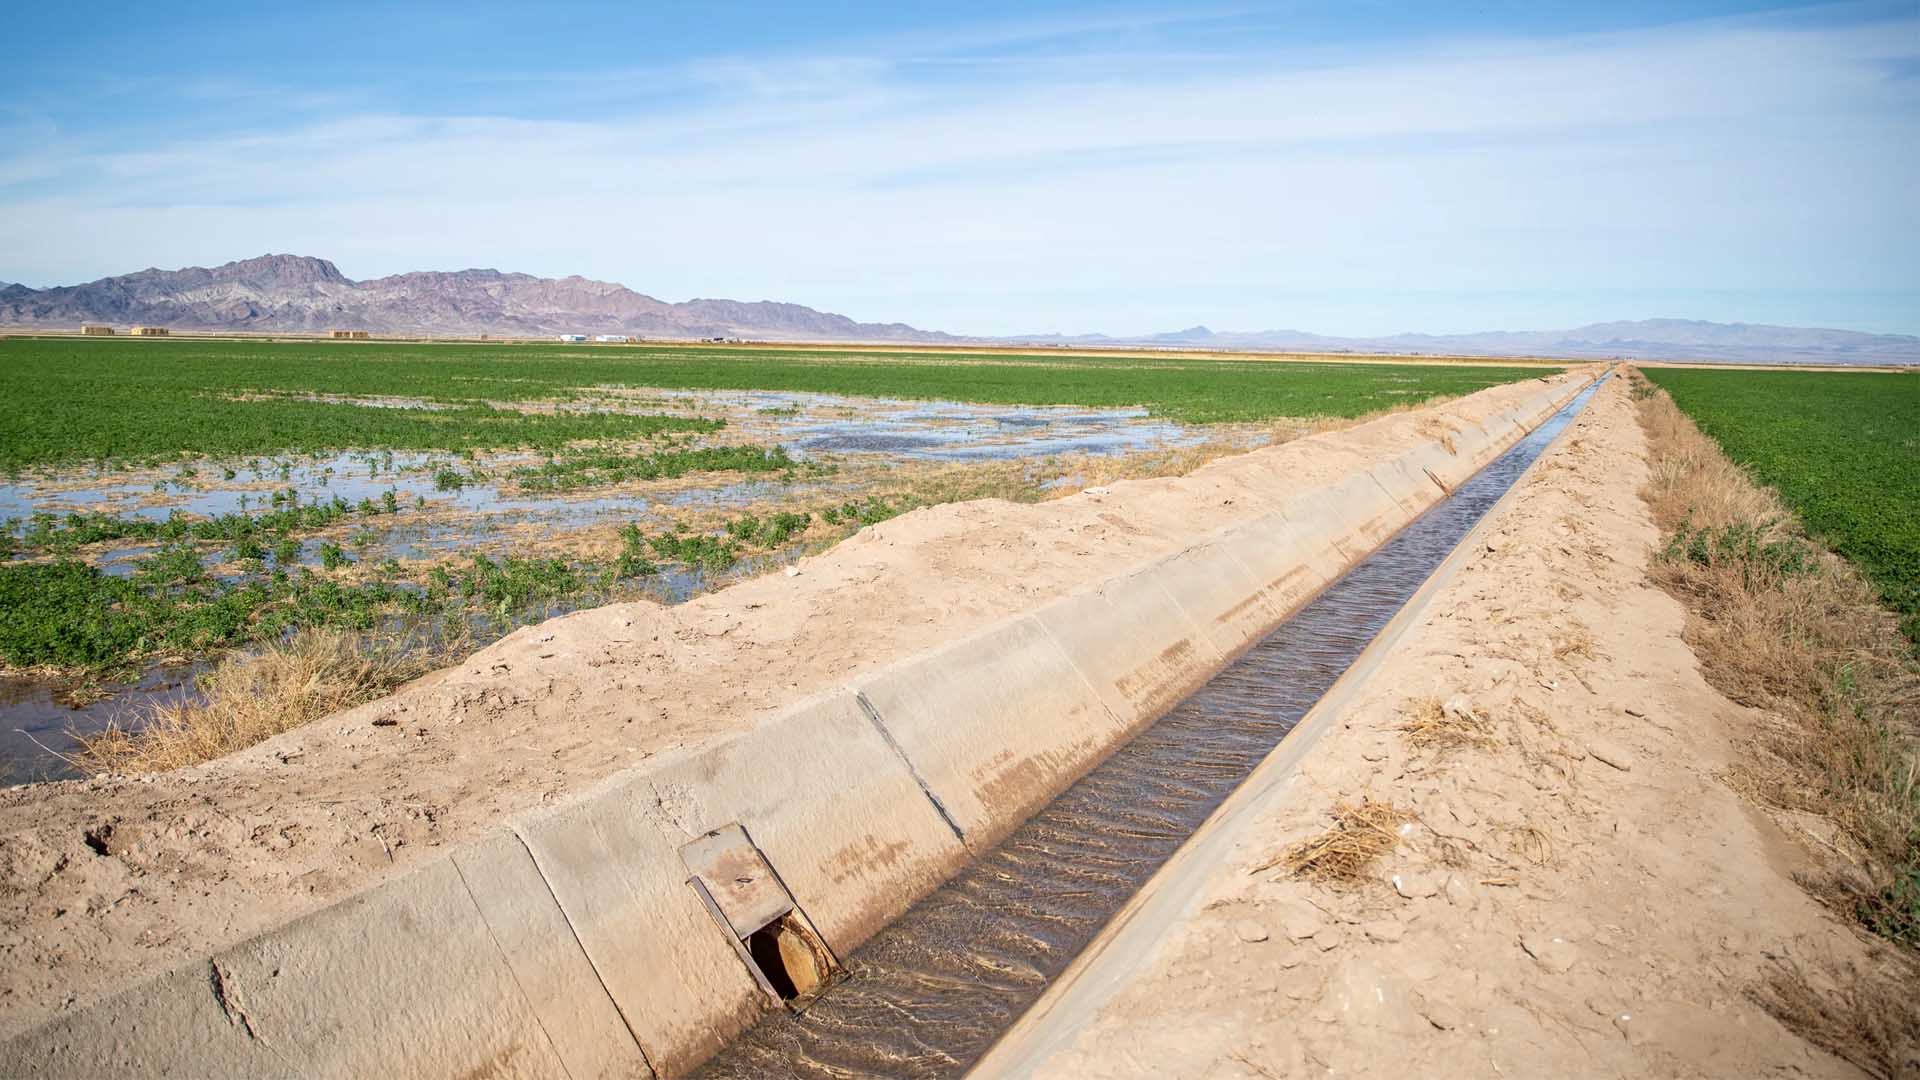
{"points": [[951, 180]]}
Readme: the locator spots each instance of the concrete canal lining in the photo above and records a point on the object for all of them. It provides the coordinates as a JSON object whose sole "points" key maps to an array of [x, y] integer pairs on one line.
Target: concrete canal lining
{"points": [[1072, 999], [571, 940]]}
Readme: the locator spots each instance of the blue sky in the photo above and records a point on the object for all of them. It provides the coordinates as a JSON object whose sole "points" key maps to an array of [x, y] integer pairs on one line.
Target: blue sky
{"points": [[1347, 168]]}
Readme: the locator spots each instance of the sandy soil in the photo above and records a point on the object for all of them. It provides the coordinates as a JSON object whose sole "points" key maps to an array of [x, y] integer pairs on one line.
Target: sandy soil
{"points": [[105, 881], [1582, 896]]}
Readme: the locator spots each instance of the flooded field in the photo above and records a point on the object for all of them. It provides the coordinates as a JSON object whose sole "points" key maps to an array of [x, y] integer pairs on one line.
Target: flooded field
{"points": [[171, 508], [584, 521]]}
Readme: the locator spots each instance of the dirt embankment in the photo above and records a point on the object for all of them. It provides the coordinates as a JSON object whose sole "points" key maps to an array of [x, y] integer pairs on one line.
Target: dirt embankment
{"points": [[1572, 890], [104, 881]]}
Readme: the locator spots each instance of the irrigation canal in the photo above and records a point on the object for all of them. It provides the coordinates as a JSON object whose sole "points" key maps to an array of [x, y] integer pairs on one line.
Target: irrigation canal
{"points": [[930, 994]]}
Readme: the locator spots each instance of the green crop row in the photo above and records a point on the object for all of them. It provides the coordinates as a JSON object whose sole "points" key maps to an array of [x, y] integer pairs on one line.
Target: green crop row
{"points": [[63, 534], [74, 400], [593, 468]]}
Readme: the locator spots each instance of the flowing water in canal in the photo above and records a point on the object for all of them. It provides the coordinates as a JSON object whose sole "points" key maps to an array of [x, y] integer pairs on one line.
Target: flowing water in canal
{"points": [[929, 994]]}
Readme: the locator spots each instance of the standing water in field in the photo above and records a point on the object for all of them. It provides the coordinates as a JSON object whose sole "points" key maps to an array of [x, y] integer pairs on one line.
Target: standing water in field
{"points": [[395, 515]]}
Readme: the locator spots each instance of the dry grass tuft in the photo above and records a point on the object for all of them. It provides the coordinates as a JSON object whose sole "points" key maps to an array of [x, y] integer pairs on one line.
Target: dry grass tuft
{"points": [[1784, 626], [1431, 725], [1866, 1018], [251, 697], [1345, 853], [1573, 641]]}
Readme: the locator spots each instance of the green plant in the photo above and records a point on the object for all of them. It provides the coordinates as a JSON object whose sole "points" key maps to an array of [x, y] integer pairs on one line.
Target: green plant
{"points": [[632, 560], [1840, 449], [590, 468], [710, 553], [1764, 555]]}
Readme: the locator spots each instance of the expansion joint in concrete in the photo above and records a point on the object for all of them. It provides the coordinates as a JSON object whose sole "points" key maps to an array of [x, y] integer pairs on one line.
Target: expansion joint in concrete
{"points": [[599, 976], [538, 1021], [1383, 490], [879, 725]]}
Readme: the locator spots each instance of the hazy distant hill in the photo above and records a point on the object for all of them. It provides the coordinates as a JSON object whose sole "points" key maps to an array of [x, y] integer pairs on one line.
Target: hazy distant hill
{"points": [[299, 293], [1648, 339], [295, 292]]}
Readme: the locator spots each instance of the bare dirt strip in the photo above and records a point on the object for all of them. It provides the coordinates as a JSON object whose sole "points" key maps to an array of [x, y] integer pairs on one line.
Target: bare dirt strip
{"points": [[1569, 888], [103, 882]]}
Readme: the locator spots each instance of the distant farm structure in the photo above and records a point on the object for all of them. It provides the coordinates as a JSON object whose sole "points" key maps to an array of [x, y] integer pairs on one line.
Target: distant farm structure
{"points": [[148, 331], [97, 331], [347, 335], [573, 337], [619, 339]]}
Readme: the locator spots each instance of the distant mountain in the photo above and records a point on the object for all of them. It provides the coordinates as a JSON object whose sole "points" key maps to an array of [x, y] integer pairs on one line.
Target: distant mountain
{"points": [[300, 293], [1648, 339], [289, 293]]}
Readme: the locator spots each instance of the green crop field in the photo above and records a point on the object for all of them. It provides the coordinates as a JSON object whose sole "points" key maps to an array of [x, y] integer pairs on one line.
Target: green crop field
{"points": [[304, 555], [72, 400], [1842, 448]]}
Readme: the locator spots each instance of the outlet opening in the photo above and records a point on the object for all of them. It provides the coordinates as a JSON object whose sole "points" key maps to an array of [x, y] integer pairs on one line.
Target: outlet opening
{"points": [[790, 958]]}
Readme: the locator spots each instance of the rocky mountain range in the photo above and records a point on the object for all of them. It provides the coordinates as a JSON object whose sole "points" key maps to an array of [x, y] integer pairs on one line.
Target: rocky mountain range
{"points": [[296, 293]]}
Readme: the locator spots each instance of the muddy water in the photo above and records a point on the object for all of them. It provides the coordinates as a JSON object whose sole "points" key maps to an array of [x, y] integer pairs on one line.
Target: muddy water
{"points": [[37, 723], [929, 994]]}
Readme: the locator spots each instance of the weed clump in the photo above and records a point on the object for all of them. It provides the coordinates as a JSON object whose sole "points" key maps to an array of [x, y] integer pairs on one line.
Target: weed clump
{"points": [[1762, 552], [871, 511], [713, 554], [632, 561], [771, 531]]}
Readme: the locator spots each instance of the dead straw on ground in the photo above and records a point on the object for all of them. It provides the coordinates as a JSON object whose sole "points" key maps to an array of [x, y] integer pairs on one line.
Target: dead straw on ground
{"points": [[1345, 853], [1431, 725], [1811, 647], [1863, 1017], [247, 698], [1791, 630]]}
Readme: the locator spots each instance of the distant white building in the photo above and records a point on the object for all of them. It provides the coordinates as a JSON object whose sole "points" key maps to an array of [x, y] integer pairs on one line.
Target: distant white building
{"points": [[573, 337], [613, 338]]}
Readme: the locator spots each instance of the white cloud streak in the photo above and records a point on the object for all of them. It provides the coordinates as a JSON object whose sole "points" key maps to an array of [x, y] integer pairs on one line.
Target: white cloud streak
{"points": [[1719, 155]]}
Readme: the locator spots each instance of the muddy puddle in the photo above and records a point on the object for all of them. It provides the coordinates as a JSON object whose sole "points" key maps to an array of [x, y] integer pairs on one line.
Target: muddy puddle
{"points": [[929, 994], [406, 513]]}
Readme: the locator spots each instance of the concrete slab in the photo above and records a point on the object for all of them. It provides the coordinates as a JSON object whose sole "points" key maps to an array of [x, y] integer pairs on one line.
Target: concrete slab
{"points": [[1372, 513], [670, 969], [1220, 594], [1134, 644], [1290, 561], [832, 805], [406, 977], [172, 1026], [553, 973], [1409, 486], [997, 723], [1437, 465], [819, 791]]}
